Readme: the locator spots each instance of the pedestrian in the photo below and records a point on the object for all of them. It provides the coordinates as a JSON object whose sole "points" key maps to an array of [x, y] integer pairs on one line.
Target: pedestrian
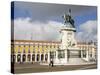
{"points": [[51, 62]]}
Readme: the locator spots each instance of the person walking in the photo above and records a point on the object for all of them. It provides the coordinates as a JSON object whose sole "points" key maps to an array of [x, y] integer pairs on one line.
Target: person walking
{"points": [[51, 63]]}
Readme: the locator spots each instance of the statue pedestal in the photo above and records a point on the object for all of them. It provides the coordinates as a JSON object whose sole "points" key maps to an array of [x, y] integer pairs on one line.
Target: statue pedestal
{"points": [[61, 57]]}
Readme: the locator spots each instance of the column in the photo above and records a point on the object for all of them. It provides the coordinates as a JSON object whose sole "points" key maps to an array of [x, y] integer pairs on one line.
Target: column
{"points": [[35, 57], [26, 58], [16, 58], [93, 53], [81, 54], [56, 54], [48, 57], [31, 57], [87, 55], [40, 57], [56, 61], [21, 58]]}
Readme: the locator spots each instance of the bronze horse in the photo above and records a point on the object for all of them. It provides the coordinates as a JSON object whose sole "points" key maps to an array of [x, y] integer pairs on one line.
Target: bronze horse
{"points": [[68, 19]]}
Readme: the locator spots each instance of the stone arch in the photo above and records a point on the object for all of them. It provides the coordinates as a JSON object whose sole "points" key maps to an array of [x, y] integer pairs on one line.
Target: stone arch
{"points": [[19, 58], [24, 58], [33, 57], [29, 57], [46, 57], [42, 56], [38, 57]]}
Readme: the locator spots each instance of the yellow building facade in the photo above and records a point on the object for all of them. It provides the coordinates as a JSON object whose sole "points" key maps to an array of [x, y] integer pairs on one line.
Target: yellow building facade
{"points": [[29, 51], [32, 51]]}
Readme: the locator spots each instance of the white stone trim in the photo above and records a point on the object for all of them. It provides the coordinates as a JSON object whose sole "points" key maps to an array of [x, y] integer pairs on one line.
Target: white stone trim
{"points": [[48, 57], [40, 57], [21, 57], [31, 57], [26, 57], [81, 54], [35, 57], [16, 58]]}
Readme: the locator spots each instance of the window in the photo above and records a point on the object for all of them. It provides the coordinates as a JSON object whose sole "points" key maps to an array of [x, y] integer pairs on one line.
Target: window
{"points": [[29, 51], [18, 49], [33, 51], [24, 51]]}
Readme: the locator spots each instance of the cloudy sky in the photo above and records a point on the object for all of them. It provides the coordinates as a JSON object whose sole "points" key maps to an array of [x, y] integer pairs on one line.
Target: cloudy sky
{"points": [[40, 21]]}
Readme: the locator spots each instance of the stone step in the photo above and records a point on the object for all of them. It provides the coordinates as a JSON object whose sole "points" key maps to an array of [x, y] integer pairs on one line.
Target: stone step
{"points": [[76, 60]]}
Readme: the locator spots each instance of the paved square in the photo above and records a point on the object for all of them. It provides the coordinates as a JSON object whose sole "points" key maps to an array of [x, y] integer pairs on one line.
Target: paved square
{"points": [[34, 68]]}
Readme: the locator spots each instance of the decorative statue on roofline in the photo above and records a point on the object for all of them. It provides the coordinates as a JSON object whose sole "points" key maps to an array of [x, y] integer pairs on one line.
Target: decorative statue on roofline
{"points": [[68, 19]]}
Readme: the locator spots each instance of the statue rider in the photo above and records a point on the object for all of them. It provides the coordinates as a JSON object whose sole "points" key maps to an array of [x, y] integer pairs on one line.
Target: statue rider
{"points": [[68, 18]]}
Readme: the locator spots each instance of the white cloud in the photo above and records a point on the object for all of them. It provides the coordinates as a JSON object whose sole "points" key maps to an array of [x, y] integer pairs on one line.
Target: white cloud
{"points": [[24, 28], [88, 31]]}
